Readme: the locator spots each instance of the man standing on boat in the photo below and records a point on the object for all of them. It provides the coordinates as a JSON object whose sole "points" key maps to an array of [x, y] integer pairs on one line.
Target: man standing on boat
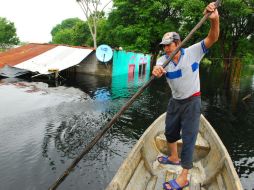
{"points": [[184, 108]]}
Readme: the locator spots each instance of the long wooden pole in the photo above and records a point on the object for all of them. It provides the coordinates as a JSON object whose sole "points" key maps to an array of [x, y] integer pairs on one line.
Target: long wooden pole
{"points": [[126, 106]]}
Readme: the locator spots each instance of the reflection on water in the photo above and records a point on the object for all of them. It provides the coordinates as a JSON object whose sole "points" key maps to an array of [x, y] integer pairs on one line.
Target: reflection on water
{"points": [[43, 128], [232, 117]]}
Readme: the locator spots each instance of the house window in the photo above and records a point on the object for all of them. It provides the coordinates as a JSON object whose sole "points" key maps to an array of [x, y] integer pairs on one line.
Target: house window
{"points": [[142, 69], [142, 66]]}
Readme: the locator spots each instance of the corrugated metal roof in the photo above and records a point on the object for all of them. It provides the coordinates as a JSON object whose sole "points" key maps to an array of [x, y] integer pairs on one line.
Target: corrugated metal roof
{"points": [[43, 57], [17, 55], [58, 58]]}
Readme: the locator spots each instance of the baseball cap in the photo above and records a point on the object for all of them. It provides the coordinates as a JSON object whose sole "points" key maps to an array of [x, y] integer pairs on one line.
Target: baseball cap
{"points": [[169, 37]]}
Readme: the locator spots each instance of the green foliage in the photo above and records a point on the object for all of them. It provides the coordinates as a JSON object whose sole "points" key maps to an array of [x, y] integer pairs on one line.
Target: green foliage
{"points": [[138, 25], [8, 36], [191, 13], [206, 61], [72, 31], [63, 36], [102, 31], [237, 20], [246, 51], [248, 59]]}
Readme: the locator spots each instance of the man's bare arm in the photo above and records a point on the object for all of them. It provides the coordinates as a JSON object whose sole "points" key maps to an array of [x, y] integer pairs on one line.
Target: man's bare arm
{"points": [[214, 31]]}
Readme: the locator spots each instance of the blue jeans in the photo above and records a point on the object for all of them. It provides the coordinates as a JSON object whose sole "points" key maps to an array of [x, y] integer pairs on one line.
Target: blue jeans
{"points": [[182, 121]]}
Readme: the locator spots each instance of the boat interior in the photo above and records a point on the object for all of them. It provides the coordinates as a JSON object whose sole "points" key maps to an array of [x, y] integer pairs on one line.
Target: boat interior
{"points": [[212, 166]]}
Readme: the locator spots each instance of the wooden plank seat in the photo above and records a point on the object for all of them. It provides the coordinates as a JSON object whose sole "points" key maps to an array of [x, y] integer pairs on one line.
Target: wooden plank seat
{"points": [[202, 147]]}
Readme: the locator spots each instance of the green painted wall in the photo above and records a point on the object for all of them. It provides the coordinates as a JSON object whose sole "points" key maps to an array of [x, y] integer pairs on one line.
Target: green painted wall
{"points": [[122, 60], [121, 83]]}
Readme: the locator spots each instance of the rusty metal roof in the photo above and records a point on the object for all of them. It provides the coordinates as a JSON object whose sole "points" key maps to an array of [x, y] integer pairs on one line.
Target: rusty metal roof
{"points": [[17, 55], [42, 57]]}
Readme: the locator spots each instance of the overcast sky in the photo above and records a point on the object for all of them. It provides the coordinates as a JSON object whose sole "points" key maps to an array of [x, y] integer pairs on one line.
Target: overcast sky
{"points": [[34, 19]]}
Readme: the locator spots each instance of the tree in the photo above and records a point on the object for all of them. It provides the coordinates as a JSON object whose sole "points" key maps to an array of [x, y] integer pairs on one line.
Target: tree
{"points": [[238, 19], [93, 13], [139, 25], [72, 31], [8, 36]]}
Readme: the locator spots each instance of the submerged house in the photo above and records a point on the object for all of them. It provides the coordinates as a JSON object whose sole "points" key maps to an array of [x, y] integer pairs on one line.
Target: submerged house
{"points": [[130, 70], [135, 64], [41, 59], [47, 59]]}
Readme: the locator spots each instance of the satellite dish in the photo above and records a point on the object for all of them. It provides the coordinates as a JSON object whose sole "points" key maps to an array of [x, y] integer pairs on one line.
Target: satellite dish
{"points": [[104, 53]]}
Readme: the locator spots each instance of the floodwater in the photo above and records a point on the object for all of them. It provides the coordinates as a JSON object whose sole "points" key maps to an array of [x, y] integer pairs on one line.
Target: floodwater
{"points": [[44, 126]]}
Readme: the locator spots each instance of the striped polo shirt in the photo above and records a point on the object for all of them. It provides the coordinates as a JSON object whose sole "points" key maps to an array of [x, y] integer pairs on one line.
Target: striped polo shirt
{"points": [[183, 78]]}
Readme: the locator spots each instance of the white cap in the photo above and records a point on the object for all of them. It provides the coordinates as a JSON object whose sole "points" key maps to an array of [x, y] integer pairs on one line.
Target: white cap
{"points": [[169, 37]]}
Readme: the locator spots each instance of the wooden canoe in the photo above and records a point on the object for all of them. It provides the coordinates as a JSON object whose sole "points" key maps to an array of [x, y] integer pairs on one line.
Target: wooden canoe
{"points": [[213, 168]]}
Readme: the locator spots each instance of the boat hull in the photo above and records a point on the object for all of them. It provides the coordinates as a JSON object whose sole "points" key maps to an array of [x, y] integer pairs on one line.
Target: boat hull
{"points": [[213, 167]]}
